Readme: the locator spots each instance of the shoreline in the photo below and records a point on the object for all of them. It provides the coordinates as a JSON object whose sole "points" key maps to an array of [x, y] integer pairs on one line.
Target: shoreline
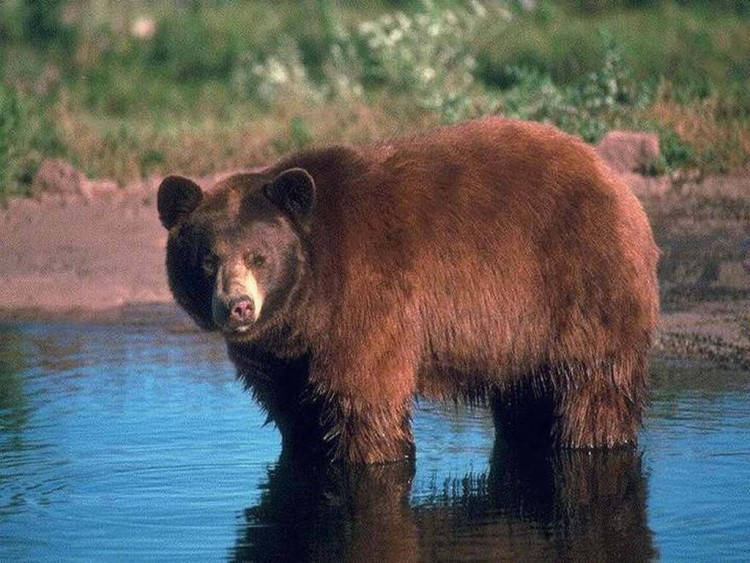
{"points": [[76, 259]]}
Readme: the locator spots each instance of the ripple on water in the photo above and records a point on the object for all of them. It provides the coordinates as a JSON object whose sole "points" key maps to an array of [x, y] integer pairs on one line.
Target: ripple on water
{"points": [[697, 442], [136, 442]]}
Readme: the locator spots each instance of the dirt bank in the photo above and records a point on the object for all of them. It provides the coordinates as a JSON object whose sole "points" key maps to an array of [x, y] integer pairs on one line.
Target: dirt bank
{"points": [[703, 230], [65, 254], [75, 256]]}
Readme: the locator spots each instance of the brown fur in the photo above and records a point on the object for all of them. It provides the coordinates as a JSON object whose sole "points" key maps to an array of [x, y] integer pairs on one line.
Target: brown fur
{"points": [[493, 261]]}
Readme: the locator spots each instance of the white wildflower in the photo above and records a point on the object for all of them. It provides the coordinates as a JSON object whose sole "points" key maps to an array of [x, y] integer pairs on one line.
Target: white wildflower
{"points": [[428, 74], [403, 21], [479, 10], [395, 36], [143, 28], [277, 74]]}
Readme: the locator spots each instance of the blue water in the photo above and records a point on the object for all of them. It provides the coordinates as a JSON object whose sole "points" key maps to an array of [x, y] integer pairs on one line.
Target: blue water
{"points": [[133, 441]]}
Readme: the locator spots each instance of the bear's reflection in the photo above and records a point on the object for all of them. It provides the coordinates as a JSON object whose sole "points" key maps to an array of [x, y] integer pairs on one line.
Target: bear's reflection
{"points": [[530, 506]]}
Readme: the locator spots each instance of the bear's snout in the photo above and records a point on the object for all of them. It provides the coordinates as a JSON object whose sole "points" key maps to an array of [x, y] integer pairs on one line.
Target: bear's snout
{"points": [[234, 313], [241, 310], [237, 298]]}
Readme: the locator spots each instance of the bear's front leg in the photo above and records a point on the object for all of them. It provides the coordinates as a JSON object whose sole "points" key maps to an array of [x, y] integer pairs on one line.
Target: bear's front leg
{"points": [[365, 400], [282, 389], [355, 431]]}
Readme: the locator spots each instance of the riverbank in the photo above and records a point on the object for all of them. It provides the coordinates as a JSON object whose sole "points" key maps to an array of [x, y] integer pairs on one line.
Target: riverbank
{"points": [[100, 257]]}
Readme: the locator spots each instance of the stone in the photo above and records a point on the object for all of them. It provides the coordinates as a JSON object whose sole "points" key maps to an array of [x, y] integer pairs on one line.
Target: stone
{"points": [[58, 178], [627, 151]]}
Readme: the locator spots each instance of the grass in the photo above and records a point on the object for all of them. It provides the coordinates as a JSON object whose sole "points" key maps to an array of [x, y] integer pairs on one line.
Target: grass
{"points": [[27, 135], [218, 85], [697, 49], [711, 139]]}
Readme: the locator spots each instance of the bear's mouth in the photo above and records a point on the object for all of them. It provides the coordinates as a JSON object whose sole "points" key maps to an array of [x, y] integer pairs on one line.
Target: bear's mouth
{"points": [[238, 330], [242, 329], [239, 333]]}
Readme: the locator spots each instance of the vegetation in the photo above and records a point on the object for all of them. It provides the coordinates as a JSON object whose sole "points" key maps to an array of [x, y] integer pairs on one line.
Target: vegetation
{"points": [[131, 88]]}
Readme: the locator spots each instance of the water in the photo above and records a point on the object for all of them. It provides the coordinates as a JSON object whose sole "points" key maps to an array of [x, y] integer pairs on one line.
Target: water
{"points": [[134, 442]]}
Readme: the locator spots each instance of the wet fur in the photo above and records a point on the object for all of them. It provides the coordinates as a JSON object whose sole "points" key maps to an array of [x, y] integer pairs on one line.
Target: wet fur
{"points": [[495, 261]]}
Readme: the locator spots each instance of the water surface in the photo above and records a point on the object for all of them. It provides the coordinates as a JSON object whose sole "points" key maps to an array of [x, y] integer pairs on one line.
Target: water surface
{"points": [[134, 442]]}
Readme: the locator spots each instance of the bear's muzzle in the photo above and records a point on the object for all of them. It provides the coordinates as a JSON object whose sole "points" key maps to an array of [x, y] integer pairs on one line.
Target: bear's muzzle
{"points": [[237, 298]]}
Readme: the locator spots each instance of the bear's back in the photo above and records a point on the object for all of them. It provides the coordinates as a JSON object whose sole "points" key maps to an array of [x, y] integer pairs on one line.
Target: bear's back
{"points": [[458, 184], [494, 240]]}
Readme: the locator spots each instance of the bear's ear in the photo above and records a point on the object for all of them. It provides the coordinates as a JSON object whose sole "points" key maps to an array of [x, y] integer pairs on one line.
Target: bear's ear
{"points": [[293, 191], [177, 198]]}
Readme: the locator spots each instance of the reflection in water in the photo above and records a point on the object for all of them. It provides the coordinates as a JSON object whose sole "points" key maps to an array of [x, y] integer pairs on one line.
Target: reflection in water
{"points": [[530, 506], [134, 442], [13, 402], [14, 416], [331, 513]]}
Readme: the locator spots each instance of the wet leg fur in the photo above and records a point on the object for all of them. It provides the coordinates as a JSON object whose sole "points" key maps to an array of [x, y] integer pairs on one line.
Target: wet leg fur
{"points": [[358, 433], [315, 422], [574, 405], [601, 406], [366, 404]]}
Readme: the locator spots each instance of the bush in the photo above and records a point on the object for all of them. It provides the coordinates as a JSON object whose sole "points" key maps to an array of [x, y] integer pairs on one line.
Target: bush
{"points": [[41, 20], [275, 76], [424, 56], [610, 96], [189, 49], [26, 137]]}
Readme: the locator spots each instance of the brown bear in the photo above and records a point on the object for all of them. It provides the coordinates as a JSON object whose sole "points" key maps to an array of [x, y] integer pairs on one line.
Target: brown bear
{"points": [[494, 261]]}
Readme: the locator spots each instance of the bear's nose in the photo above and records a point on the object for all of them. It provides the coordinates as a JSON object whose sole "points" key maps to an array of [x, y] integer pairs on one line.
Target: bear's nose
{"points": [[241, 310]]}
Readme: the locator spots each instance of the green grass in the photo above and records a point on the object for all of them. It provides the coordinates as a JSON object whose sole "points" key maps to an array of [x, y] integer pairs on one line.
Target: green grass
{"points": [[27, 135], [697, 49], [229, 84]]}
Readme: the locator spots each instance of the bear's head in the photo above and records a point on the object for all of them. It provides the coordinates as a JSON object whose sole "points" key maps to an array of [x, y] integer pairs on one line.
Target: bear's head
{"points": [[236, 256]]}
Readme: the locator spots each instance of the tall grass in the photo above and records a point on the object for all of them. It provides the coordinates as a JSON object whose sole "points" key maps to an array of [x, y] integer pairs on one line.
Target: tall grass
{"points": [[208, 84], [697, 49], [26, 136]]}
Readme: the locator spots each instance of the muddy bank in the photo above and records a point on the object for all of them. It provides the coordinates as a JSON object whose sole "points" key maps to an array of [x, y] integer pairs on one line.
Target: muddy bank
{"points": [[74, 255], [101, 258], [64, 254], [703, 230]]}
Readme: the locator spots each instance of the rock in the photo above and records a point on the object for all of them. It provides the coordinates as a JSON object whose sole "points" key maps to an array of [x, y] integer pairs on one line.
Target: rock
{"points": [[647, 186], [626, 151], [99, 188], [59, 178]]}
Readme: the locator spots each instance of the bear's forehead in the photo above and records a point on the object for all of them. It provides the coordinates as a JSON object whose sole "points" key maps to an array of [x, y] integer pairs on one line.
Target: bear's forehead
{"points": [[224, 234], [239, 228], [238, 206]]}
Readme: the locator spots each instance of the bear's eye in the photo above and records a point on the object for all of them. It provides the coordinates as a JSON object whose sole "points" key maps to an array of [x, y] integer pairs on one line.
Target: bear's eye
{"points": [[255, 260], [209, 264]]}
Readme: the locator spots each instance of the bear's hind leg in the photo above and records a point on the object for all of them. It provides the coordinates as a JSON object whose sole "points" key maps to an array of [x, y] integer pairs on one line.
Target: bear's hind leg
{"points": [[599, 406], [524, 412]]}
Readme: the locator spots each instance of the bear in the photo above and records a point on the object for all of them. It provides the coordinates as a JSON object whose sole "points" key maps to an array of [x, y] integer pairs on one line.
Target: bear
{"points": [[496, 262]]}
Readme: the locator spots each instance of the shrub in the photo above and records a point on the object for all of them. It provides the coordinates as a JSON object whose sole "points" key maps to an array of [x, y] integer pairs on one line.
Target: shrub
{"points": [[588, 107], [190, 50], [26, 136], [41, 20], [425, 56], [275, 76]]}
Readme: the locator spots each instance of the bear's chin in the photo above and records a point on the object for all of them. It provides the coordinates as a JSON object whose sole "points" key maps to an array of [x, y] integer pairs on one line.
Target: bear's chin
{"points": [[240, 334]]}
